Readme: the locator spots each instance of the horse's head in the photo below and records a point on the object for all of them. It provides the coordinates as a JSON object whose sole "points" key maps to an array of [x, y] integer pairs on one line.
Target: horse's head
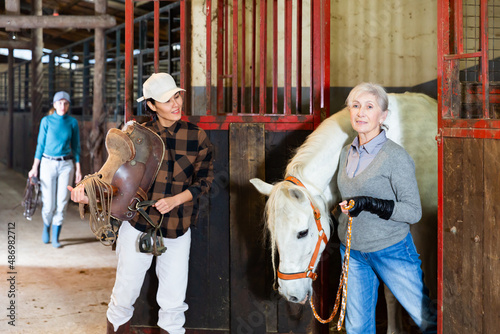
{"points": [[296, 234]]}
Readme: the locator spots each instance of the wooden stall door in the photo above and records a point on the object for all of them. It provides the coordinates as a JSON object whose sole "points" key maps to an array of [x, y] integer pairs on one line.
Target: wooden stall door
{"points": [[471, 236]]}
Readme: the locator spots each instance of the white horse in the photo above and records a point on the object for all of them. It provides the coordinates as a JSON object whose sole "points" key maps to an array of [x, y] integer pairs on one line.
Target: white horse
{"points": [[412, 123]]}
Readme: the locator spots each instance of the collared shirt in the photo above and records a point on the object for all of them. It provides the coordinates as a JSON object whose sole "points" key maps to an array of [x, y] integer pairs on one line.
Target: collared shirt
{"points": [[187, 164], [359, 157]]}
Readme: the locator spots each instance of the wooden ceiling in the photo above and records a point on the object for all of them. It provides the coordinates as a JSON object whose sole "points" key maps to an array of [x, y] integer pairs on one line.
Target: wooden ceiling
{"points": [[57, 38]]}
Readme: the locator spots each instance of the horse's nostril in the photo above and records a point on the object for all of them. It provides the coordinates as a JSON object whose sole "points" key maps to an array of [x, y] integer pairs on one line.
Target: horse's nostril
{"points": [[293, 299]]}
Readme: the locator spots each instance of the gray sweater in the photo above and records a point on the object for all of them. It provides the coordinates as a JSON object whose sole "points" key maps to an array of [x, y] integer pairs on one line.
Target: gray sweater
{"points": [[391, 175]]}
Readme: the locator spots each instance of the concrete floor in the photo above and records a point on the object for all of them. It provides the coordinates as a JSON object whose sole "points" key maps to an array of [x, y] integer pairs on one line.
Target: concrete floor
{"points": [[63, 290]]}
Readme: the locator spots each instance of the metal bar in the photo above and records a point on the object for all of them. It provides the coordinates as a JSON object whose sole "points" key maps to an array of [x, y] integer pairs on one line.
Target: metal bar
{"points": [[157, 34], [316, 62], [209, 58], [254, 50], [226, 37], [118, 71], [462, 55], [169, 44], [86, 79], [263, 54], [220, 59], [129, 59], [271, 122], [235, 58], [326, 57], [183, 45], [275, 57], [288, 59], [10, 109], [459, 27], [484, 59], [443, 30], [298, 92], [243, 56], [55, 22]]}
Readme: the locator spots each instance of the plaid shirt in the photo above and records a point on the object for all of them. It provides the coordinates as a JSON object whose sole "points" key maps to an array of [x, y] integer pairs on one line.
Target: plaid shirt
{"points": [[187, 164]]}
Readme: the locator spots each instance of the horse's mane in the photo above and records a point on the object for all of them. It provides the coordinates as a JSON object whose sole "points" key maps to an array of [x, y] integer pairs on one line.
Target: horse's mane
{"points": [[322, 140]]}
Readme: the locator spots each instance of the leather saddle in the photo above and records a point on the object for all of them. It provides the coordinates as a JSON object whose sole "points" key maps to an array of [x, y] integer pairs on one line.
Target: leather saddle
{"points": [[135, 154]]}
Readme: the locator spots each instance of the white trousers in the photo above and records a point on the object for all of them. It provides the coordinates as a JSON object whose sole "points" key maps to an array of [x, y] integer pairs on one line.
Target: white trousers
{"points": [[55, 176], [171, 270]]}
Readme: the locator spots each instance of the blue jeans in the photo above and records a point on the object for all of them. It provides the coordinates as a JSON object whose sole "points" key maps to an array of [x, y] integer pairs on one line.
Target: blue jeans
{"points": [[398, 266]]}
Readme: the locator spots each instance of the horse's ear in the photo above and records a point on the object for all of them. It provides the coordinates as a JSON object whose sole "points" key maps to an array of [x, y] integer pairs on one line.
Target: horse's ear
{"points": [[263, 187], [297, 194]]}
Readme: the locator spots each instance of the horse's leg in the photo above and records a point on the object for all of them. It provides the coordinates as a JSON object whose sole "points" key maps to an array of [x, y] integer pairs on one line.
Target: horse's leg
{"points": [[394, 313]]}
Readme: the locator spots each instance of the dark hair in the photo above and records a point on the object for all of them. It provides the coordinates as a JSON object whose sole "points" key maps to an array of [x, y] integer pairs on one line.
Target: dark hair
{"points": [[147, 109]]}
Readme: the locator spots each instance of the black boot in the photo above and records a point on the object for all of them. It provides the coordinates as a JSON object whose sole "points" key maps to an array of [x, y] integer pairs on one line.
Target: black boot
{"points": [[123, 329]]}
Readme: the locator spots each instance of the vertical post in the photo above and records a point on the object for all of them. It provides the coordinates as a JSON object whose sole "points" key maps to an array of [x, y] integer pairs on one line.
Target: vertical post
{"points": [[443, 34], [129, 59], [10, 108], [484, 59], [185, 52], [36, 76], [315, 94], [86, 78], [220, 56], [263, 56], [243, 55], [157, 35], [98, 113], [298, 92], [235, 57], [275, 58], [118, 71], [209, 57], [326, 58], [254, 34], [288, 59]]}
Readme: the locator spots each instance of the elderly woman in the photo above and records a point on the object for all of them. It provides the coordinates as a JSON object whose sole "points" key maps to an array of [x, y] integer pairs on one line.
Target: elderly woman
{"points": [[379, 175], [57, 146]]}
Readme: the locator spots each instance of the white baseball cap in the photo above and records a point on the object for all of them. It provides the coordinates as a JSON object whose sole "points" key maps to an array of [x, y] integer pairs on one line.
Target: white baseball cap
{"points": [[159, 86]]}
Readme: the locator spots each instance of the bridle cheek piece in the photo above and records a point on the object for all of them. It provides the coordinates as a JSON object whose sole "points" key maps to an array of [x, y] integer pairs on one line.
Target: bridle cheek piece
{"points": [[308, 273]]}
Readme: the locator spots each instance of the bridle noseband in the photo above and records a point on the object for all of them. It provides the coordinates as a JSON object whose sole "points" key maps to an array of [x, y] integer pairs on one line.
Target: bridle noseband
{"points": [[321, 237]]}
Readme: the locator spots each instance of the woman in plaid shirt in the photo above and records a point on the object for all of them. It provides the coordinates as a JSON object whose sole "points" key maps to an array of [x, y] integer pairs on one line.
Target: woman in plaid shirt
{"points": [[185, 173]]}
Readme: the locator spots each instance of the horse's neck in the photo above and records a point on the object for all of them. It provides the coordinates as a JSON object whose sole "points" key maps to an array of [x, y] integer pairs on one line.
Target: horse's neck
{"points": [[316, 161]]}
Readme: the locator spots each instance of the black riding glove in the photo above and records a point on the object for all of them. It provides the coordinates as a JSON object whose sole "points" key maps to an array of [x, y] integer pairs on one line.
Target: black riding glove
{"points": [[381, 207]]}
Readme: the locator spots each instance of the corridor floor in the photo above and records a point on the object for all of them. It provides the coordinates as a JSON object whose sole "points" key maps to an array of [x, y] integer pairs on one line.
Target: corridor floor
{"points": [[63, 290]]}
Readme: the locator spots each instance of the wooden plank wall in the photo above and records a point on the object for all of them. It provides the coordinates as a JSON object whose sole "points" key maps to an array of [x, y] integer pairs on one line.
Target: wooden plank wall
{"points": [[231, 280], [471, 252], [250, 311]]}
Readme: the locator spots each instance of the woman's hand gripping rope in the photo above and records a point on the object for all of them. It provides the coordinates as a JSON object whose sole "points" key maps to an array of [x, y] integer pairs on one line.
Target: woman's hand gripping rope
{"points": [[342, 290]]}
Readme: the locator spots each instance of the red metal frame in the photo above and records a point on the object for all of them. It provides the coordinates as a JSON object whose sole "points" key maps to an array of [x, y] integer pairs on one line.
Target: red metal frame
{"points": [[277, 120], [450, 51]]}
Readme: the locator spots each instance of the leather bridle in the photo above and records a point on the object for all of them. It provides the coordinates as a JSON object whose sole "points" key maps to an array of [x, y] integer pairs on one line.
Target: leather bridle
{"points": [[321, 238]]}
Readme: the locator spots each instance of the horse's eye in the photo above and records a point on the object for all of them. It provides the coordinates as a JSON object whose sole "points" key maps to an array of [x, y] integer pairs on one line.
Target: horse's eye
{"points": [[302, 234]]}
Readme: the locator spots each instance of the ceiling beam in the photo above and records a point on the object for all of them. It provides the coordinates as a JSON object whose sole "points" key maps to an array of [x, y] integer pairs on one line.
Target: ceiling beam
{"points": [[66, 21], [15, 44]]}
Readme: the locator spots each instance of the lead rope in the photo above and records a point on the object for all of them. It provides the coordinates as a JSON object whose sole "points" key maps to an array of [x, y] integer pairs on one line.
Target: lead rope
{"points": [[342, 290]]}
